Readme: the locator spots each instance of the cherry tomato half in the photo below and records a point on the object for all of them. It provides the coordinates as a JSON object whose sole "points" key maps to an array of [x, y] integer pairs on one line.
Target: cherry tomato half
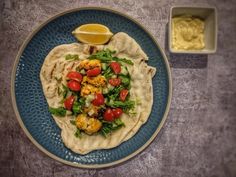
{"points": [[73, 85], [73, 75], [115, 66], [123, 94], [108, 115], [115, 81], [68, 103], [117, 112], [99, 100], [93, 72]]}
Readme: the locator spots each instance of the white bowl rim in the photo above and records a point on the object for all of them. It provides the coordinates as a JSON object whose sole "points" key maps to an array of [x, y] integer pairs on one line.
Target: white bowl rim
{"points": [[193, 51]]}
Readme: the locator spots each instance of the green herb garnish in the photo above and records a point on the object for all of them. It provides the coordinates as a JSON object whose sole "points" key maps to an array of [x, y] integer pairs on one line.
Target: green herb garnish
{"points": [[72, 57], [78, 133], [125, 80], [114, 93], [72, 122], [58, 111], [108, 127], [122, 104], [77, 108], [124, 60], [106, 56], [108, 73], [65, 90]]}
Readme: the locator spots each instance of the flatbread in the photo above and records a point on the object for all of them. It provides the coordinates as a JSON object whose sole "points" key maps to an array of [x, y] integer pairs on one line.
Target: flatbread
{"points": [[55, 66]]}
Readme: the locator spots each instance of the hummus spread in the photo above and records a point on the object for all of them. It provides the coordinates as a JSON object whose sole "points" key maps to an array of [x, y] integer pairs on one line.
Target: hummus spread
{"points": [[187, 33]]}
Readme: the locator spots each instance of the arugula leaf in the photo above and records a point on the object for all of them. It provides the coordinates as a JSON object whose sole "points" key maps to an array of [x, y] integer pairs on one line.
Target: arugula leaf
{"points": [[124, 60], [125, 80], [108, 127], [78, 133], [72, 122], [108, 73], [82, 101], [119, 122], [72, 57], [114, 93], [131, 113], [102, 58], [106, 56], [122, 104], [58, 111], [65, 90], [76, 108], [101, 112]]}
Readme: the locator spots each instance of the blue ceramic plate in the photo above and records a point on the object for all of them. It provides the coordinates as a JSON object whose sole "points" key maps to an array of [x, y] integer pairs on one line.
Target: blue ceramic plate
{"points": [[31, 107]]}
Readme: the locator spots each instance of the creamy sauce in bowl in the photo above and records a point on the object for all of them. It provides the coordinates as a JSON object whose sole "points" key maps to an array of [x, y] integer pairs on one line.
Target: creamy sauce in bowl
{"points": [[187, 33]]}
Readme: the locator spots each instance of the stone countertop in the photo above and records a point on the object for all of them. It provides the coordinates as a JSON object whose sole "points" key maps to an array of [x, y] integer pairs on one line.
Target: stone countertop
{"points": [[199, 137]]}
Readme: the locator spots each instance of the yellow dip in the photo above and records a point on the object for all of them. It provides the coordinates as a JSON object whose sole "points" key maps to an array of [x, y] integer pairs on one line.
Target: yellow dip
{"points": [[187, 33]]}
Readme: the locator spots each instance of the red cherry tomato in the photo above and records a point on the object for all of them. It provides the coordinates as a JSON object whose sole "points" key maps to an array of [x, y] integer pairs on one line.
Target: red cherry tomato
{"points": [[73, 75], [93, 72], [117, 112], [73, 85], [68, 103], [115, 81], [99, 100], [123, 94], [115, 66], [108, 115]]}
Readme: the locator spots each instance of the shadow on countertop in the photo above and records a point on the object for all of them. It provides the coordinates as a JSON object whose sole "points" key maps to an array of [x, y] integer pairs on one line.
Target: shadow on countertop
{"points": [[194, 61]]}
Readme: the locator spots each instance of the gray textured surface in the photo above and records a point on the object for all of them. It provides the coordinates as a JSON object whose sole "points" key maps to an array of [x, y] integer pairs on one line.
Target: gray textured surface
{"points": [[199, 137]]}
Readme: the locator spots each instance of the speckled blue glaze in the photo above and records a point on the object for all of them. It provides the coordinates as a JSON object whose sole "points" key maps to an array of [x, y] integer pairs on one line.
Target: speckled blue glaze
{"points": [[32, 105]]}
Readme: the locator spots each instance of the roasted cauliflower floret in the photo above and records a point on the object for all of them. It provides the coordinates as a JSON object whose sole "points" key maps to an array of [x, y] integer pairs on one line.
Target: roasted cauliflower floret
{"points": [[98, 81], [81, 121], [89, 125], [92, 110], [94, 126], [89, 64], [89, 89]]}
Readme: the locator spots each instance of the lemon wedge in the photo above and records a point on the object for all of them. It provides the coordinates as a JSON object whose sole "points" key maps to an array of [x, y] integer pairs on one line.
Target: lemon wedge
{"points": [[92, 34]]}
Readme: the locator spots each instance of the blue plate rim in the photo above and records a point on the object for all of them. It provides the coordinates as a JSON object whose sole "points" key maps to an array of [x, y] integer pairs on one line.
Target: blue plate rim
{"points": [[13, 98]]}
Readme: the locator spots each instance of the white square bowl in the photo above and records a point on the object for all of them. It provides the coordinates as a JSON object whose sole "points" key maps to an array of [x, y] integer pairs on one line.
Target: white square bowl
{"points": [[209, 15]]}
